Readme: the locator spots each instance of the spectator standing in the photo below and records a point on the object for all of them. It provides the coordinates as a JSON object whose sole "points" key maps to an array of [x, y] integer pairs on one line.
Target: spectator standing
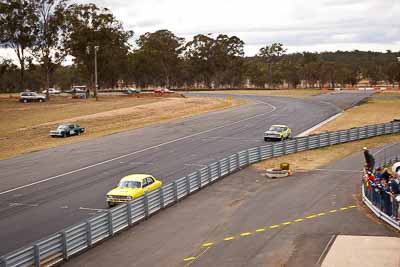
{"points": [[378, 174], [369, 159], [394, 193], [385, 193], [385, 175]]}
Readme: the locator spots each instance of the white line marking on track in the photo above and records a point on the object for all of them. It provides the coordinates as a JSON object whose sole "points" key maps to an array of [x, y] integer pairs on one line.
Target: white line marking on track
{"points": [[273, 108], [306, 132], [23, 204]]}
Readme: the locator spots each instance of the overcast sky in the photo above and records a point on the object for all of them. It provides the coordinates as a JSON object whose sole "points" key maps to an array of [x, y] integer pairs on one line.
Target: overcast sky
{"points": [[301, 25]]}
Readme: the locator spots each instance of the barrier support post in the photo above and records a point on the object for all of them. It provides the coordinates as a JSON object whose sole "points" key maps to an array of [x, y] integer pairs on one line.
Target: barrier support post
{"points": [[36, 254], [64, 245]]}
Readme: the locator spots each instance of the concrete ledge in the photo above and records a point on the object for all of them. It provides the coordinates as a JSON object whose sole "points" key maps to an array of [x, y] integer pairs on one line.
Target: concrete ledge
{"points": [[363, 251]]}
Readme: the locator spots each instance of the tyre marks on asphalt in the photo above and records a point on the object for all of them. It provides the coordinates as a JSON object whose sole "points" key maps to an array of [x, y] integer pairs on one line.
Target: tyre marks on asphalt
{"points": [[207, 245]]}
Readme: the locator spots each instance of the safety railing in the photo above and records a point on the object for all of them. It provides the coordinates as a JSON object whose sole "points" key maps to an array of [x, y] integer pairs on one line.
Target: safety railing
{"points": [[384, 204], [82, 236]]}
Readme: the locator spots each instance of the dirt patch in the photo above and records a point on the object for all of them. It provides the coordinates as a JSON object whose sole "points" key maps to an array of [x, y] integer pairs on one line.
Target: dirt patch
{"points": [[25, 127], [297, 93], [313, 159]]}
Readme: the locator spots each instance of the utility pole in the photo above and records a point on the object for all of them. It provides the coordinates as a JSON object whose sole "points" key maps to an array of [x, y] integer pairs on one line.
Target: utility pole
{"points": [[95, 72]]}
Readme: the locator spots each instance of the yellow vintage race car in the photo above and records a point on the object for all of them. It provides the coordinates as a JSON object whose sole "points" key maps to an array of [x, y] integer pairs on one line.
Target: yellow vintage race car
{"points": [[277, 132], [131, 187]]}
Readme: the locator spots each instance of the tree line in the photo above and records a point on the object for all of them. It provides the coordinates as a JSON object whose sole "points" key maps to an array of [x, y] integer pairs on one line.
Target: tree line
{"points": [[43, 33]]}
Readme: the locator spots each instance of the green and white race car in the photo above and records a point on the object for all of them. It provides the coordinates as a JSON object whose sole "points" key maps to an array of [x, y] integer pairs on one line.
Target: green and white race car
{"points": [[64, 130]]}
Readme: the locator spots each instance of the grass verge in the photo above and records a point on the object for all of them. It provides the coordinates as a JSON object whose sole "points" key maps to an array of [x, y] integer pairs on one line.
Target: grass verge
{"points": [[380, 108], [25, 127]]}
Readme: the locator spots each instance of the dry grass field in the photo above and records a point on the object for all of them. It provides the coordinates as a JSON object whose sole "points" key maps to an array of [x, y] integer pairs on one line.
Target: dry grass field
{"points": [[380, 108], [25, 127]]}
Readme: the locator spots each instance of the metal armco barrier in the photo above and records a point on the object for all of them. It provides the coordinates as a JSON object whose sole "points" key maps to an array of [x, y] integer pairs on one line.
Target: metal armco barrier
{"points": [[376, 201], [75, 239]]}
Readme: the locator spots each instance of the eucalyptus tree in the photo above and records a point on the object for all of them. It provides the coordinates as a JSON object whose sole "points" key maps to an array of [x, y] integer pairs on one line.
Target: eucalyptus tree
{"points": [[17, 31], [271, 54], [91, 28], [160, 52], [50, 32], [216, 61]]}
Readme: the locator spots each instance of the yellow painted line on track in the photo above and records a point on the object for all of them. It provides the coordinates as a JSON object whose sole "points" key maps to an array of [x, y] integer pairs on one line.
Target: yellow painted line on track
{"points": [[245, 234], [208, 245], [195, 258]]}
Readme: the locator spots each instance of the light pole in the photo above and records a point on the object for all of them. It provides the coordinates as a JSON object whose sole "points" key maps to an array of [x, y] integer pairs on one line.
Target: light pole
{"points": [[96, 48], [95, 71]]}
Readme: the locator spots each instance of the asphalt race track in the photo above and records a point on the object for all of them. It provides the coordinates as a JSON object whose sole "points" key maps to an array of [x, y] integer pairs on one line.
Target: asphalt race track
{"points": [[249, 220], [43, 192]]}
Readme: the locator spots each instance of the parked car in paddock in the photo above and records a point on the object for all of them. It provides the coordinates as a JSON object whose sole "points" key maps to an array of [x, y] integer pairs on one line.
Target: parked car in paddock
{"points": [[52, 91], [131, 187], [277, 132], [26, 97], [65, 130], [163, 91], [131, 91], [77, 89]]}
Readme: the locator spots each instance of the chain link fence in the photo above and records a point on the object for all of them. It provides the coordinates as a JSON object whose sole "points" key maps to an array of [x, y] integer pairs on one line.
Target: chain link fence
{"points": [[82, 236]]}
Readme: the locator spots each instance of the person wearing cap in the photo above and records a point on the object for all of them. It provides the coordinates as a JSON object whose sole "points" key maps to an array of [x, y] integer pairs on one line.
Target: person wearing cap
{"points": [[369, 159]]}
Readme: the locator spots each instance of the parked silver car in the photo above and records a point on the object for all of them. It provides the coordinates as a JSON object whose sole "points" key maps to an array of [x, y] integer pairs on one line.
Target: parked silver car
{"points": [[26, 97]]}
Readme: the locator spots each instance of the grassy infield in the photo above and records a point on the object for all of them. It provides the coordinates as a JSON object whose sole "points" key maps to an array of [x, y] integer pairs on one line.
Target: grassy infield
{"points": [[25, 126]]}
